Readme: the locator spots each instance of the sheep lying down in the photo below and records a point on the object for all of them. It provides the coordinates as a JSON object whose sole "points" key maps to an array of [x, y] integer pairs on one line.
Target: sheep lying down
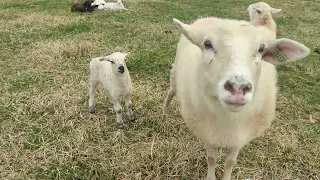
{"points": [[111, 71], [226, 82]]}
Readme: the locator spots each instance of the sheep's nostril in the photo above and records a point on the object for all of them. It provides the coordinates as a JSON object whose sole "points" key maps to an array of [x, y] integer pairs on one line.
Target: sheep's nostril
{"points": [[229, 86], [246, 88]]}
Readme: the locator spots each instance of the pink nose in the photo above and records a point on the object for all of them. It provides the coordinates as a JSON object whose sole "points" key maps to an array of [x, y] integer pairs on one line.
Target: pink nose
{"points": [[237, 89]]}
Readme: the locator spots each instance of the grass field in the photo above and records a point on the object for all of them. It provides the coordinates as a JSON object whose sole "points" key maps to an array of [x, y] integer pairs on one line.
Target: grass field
{"points": [[46, 131]]}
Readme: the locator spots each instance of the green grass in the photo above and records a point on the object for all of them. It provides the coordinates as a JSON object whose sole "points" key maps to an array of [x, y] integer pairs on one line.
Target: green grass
{"points": [[46, 131]]}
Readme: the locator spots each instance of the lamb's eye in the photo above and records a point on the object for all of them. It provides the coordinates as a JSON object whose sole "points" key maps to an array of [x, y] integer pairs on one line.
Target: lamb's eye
{"points": [[258, 11], [207, 44], [261, 48]]}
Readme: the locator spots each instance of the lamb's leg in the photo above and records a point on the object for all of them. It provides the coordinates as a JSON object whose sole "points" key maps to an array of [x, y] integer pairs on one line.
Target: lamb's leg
{"points": [[128, 104], [212, 154], [118, 109], [230, 162], [92, 87]]}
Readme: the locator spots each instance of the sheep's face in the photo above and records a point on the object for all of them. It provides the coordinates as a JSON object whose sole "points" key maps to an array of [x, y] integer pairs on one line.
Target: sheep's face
{"points": [[98, 3], [230, 58], [117, 60], [260, 9]]}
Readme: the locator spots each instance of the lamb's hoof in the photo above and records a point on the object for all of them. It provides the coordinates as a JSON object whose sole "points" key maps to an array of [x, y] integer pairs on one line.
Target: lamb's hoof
{"points": [[121, 125], [132, 118], [92, 109]]}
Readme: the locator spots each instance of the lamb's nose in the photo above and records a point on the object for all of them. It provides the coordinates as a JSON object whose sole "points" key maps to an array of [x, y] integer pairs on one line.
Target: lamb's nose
{"points": [[235, 88], [121, 69]]}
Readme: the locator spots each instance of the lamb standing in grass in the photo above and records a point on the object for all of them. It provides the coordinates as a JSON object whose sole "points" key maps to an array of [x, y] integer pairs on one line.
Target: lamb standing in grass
{"points": [[118, 5], [111, 71], [261, 15], [226, 83]]}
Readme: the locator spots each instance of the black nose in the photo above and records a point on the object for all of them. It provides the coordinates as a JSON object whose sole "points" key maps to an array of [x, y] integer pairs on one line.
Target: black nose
{"points": [[121, 69]]}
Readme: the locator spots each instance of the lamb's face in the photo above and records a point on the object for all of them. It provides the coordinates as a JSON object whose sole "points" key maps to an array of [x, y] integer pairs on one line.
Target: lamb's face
{"points": [[117, 61], [260, 9], [231, 57]]}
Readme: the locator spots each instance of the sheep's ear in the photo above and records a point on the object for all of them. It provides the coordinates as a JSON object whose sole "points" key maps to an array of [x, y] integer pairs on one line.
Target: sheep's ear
{"points": [[282, 51], [189, 32], [275, 11]]}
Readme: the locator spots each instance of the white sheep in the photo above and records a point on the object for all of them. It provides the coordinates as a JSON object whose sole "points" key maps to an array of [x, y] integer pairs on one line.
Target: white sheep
{"points": [[118, 5], [226, 83], [111, 71], [261, 15]]}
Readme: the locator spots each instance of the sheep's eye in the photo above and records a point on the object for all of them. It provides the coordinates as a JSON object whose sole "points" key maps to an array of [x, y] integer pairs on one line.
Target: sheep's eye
{"points": [[261, 48], [207, 44], [258, 11]]}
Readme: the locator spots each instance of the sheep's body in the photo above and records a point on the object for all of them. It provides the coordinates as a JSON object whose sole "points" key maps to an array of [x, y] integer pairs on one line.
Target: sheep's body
{"points": [[115, 84], [198, 84]]}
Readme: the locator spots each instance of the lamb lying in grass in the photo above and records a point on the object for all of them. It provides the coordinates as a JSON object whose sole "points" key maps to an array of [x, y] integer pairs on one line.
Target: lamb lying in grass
{"points": [[226, 83], [83, 7], [111, 71], [118, 5], [261, 15]]}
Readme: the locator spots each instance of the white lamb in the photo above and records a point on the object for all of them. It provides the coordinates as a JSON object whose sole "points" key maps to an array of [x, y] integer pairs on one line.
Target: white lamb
{"points": [[111, 71], [261, 15], [226, 83], [118, 5]]}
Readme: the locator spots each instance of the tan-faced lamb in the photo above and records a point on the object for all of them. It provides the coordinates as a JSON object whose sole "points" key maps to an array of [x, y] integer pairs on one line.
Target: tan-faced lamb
{"points": [[111, 71], [102, 5], [226, 83], [261, 15]]}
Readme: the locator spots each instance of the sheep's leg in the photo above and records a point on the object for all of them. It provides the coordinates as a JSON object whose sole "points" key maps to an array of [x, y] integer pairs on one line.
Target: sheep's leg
{"points": [[168, 99], [118, 109], [92, 87], [230, 162], [128, 104], [172, 90], [212, 154]]}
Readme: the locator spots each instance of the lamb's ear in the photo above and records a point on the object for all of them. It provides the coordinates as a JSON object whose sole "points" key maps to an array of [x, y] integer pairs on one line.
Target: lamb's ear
{"points": [[189, 32], [282, 51], [275, 11]]}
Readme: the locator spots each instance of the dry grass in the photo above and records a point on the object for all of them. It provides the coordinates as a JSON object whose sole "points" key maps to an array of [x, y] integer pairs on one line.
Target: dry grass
{"points": [[47, 133]]}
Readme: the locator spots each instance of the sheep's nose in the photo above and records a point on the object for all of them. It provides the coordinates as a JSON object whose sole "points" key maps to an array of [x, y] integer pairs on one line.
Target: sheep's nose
{"points": [[235, 88], [121, 69]]}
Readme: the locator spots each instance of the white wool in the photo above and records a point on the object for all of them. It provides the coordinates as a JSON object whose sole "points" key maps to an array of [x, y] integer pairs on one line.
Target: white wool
{"points": [[105, 71], [200, 70], [102, 5]]}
